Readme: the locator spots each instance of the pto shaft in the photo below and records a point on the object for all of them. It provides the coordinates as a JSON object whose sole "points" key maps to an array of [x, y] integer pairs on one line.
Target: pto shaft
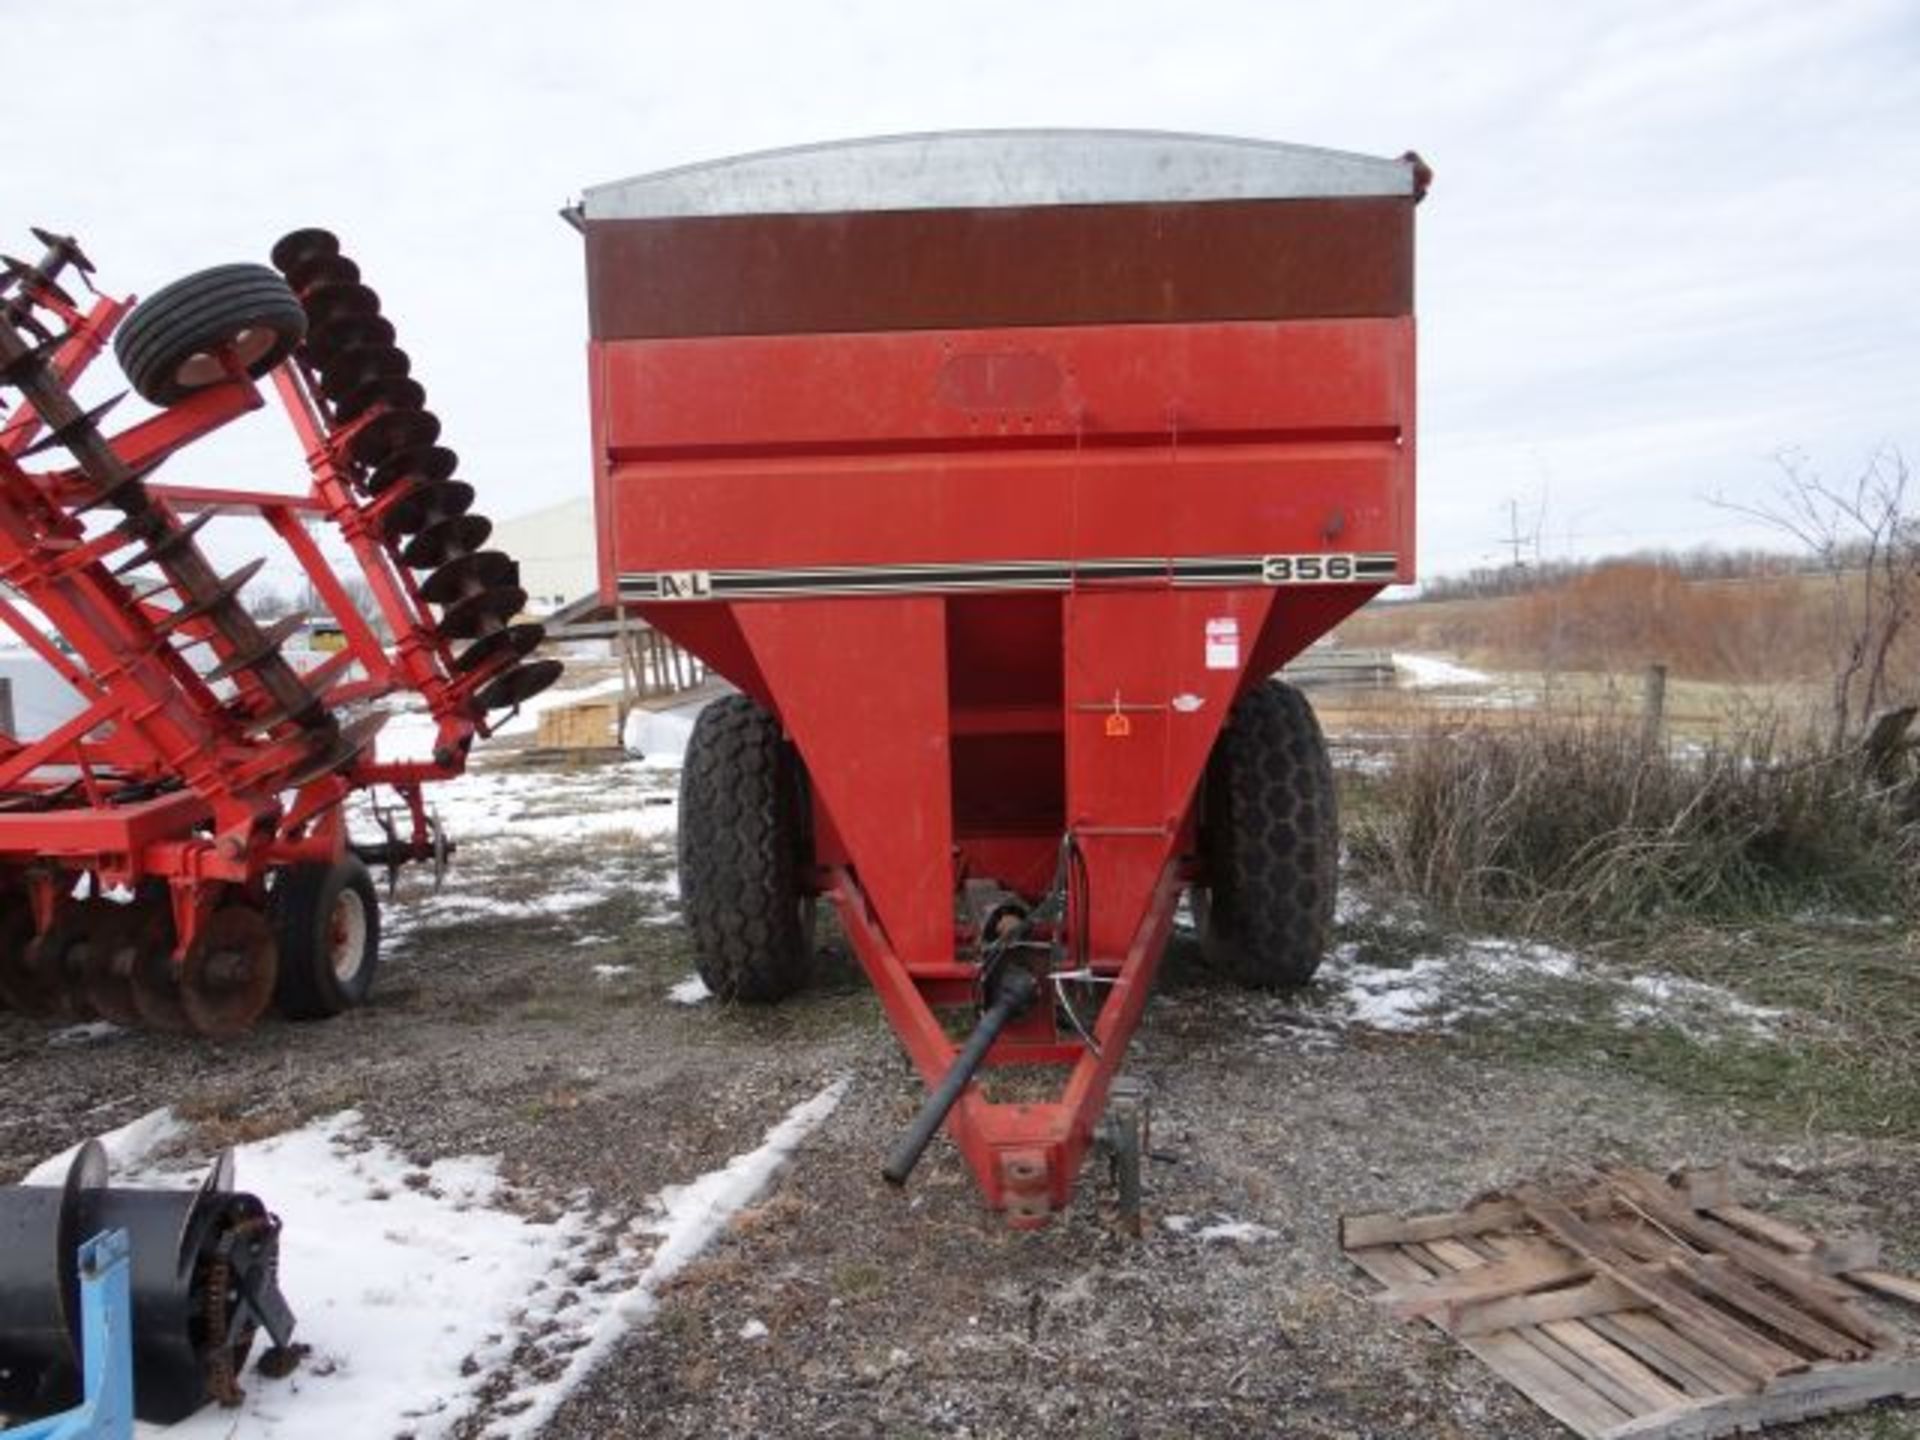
{"points": [[1014, 994]]}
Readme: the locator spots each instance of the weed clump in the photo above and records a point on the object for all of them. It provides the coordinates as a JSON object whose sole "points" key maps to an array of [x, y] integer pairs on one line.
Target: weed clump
{"points": [[1583, 828]]}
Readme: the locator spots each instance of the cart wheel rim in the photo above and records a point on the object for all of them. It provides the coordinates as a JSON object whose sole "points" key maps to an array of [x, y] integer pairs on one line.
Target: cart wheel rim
{"points": [[209, 367], [347, 936]]}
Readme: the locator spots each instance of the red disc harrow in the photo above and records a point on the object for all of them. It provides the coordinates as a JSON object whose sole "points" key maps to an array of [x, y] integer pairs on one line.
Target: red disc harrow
{"points": [[176, 854]]}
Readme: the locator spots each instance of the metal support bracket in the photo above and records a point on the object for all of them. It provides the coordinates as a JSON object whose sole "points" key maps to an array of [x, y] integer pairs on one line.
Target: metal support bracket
{"points": [[1125, 1137]]}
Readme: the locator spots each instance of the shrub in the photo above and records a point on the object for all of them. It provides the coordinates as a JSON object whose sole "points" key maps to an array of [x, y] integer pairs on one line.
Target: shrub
{"points": [[1583, 828]]}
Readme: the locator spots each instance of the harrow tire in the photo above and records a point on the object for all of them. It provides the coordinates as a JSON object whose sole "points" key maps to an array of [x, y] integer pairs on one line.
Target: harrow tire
{"points": [[1270, 838], [166, 345], [326, 923], [744, 849]]}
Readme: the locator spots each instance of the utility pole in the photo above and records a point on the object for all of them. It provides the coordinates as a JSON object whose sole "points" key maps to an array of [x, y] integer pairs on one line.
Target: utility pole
{"points": [[1514, 539]]}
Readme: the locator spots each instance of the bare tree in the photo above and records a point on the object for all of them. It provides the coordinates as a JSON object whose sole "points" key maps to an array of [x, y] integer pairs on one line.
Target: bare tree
{"points": [[1864, 538], [269, 602]]}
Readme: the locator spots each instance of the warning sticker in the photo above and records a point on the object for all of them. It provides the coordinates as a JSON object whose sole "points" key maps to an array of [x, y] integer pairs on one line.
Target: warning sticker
{"points": [[1223, 644]]}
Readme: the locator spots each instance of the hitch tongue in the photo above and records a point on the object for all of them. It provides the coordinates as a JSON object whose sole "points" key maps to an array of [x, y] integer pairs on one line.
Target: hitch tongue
{"points": [[1012, 996]]}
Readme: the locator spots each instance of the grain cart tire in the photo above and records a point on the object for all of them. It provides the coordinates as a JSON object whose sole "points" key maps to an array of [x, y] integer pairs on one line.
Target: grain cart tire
{"points": [[1270, 838], [744, 850], [326, 922], [168, 346]]}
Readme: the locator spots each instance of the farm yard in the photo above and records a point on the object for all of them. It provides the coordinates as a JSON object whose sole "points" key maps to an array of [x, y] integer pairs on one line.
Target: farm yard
{"points": [[801, 721], [544, 1185]]}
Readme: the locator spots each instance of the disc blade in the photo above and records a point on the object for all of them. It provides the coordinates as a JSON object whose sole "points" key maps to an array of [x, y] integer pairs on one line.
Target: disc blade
{"points": [[326, 304], [299, 246], [424, 503], [467, 574], [482, 610], [426, 462], [448, 538], [359, 365], [392, 431], [326, 343], [322, 270], [156, 992], [28, 984], [398, 393], [228, 973], [519, 684], [514, 640]]}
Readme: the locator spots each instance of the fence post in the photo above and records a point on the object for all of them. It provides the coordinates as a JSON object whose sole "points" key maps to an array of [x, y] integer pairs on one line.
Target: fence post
{"points": [[1654, 715]]}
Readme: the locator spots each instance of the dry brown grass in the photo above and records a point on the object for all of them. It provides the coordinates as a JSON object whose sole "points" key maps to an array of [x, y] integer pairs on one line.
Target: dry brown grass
{"points": [[1580, 827], [1620, 618]]}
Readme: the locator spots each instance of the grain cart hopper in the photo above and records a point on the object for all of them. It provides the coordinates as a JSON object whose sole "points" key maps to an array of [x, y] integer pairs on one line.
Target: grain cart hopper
{"points": [[999, 471], [176, 854]]}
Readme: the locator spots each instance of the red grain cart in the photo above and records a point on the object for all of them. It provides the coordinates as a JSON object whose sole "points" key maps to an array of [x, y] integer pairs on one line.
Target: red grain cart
{"points": [[1000, 471]]}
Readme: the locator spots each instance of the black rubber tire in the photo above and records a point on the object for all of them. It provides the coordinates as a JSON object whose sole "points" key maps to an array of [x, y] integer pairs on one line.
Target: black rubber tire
{"points": [[744, 850], [1270, 841], [249, 304], [302, 910]]}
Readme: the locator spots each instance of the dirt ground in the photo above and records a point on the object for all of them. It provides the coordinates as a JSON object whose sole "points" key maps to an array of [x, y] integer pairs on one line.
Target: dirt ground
{"points": [[526, 1013]]}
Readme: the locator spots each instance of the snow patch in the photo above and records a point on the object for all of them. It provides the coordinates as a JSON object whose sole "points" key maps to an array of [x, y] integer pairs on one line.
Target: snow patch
{"points": [[688, 1218], [420, 1293], [1235, 1232], [127, 1148], [1422, 672], [1222, 1231], [401, 1278], [92, 1033], [1435, 992], [658, 737], [1494, 978], [1694, 1007], [690, 991]]}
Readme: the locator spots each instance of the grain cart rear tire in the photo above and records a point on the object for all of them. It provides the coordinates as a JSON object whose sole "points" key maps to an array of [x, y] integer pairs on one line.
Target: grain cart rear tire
{"points": [[326, 922], [1270, 839], [168, 345], [744, 851]]}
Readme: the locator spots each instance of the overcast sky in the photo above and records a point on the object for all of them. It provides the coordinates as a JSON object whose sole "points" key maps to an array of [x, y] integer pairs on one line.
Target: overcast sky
{"points": [[1666, 239]]}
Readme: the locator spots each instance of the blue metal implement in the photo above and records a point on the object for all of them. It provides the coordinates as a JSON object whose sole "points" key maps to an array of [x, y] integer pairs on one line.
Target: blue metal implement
{"points": [[106, 1330]]}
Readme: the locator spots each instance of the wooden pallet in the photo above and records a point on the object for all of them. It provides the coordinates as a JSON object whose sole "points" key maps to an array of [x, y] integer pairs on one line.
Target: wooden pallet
{"points": [[1628, 1305]]}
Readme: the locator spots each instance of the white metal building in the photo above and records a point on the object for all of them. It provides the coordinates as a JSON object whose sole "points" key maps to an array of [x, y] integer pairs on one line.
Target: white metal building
{"points": [[555, 549]]}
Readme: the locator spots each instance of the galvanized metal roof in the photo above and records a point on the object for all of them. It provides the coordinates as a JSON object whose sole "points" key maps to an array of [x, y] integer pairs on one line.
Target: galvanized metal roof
{"points": [[992, 168]]}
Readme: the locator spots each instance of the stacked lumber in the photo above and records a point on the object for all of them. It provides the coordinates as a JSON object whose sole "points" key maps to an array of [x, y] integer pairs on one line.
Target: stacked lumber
{"points": [[583, 725], [1628, 1305]]}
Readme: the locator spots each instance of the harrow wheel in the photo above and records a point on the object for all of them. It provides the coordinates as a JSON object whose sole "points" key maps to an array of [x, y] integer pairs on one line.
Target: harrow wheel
{"points": [[172, 343], [743, 850], [227, 975], [326, 919], [1270, 836]]}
